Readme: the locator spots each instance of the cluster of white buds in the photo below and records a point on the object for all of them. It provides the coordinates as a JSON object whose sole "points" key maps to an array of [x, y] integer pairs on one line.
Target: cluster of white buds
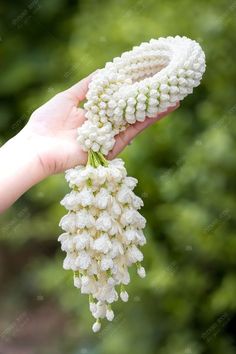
{"points": [[103, 228], [103, 232], [141, 83]]}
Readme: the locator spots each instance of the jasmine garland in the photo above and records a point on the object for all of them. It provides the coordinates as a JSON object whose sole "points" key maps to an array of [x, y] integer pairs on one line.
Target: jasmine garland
{"points": [[103, 227], [103, 232], [139, 84]]}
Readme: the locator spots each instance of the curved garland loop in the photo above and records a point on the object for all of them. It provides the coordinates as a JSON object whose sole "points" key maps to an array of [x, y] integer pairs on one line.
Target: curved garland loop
{"points": [[103, 228]]}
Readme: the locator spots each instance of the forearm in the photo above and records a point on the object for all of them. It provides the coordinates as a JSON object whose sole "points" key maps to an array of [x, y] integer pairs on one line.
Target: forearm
{"points": [[20, 169]]}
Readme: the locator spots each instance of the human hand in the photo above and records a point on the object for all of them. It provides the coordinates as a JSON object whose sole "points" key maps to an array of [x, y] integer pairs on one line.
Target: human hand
{"points": [[48, 144], [52, 130]]}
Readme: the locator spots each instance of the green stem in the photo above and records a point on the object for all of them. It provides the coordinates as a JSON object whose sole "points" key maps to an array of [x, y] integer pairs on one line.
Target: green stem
{"points": [[102, 159], [122, 288], [96, 159], [89, 162], [91, 299]]}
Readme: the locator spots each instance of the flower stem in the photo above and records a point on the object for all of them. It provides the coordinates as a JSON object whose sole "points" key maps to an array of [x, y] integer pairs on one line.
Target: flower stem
{"points": [[96, 159], [102, 159]]}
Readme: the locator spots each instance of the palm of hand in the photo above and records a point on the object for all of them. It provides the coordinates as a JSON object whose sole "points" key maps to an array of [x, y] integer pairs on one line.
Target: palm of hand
{"points": [[54, 130]]}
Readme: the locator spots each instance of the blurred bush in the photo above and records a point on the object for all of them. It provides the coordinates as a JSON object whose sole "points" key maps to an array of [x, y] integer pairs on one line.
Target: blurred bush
{"points": [[186, 305]]}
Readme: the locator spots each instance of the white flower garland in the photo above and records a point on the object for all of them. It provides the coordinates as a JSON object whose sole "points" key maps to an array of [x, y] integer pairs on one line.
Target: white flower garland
{"points": [[103, 228], [139, 84]]}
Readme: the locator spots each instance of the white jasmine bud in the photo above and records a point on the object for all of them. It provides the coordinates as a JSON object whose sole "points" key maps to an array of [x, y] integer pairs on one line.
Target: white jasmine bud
{"points": [[124, 296], [109, 313], [92, 307], [141, 272], [96, 326], [77, 282]]}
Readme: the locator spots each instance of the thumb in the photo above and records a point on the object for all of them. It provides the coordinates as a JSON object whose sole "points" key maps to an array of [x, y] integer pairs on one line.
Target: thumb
{"points": [[78, 91]]}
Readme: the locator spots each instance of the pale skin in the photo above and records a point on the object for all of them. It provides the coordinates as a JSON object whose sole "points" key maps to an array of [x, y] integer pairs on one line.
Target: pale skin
{"points": [[47, 144]]}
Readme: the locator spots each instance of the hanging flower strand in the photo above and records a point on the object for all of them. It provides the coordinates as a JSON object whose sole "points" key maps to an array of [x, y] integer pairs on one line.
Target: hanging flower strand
{"points": [[103, 230]]}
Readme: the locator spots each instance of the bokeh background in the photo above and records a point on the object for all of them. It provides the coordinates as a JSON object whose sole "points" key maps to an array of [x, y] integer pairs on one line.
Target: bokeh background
{"points": [[186, 170]]}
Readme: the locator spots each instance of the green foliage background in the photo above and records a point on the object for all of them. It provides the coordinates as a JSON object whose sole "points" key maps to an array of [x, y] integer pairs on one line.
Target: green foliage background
{"points": [[186, 170]]}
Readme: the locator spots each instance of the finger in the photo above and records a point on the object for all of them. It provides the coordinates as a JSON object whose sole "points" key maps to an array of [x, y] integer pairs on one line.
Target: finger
{"points": [[79, 90], [125, 137]]}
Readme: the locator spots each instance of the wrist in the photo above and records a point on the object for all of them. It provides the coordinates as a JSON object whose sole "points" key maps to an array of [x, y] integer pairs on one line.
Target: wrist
{"points": [[20, 168], [27, 146]]}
